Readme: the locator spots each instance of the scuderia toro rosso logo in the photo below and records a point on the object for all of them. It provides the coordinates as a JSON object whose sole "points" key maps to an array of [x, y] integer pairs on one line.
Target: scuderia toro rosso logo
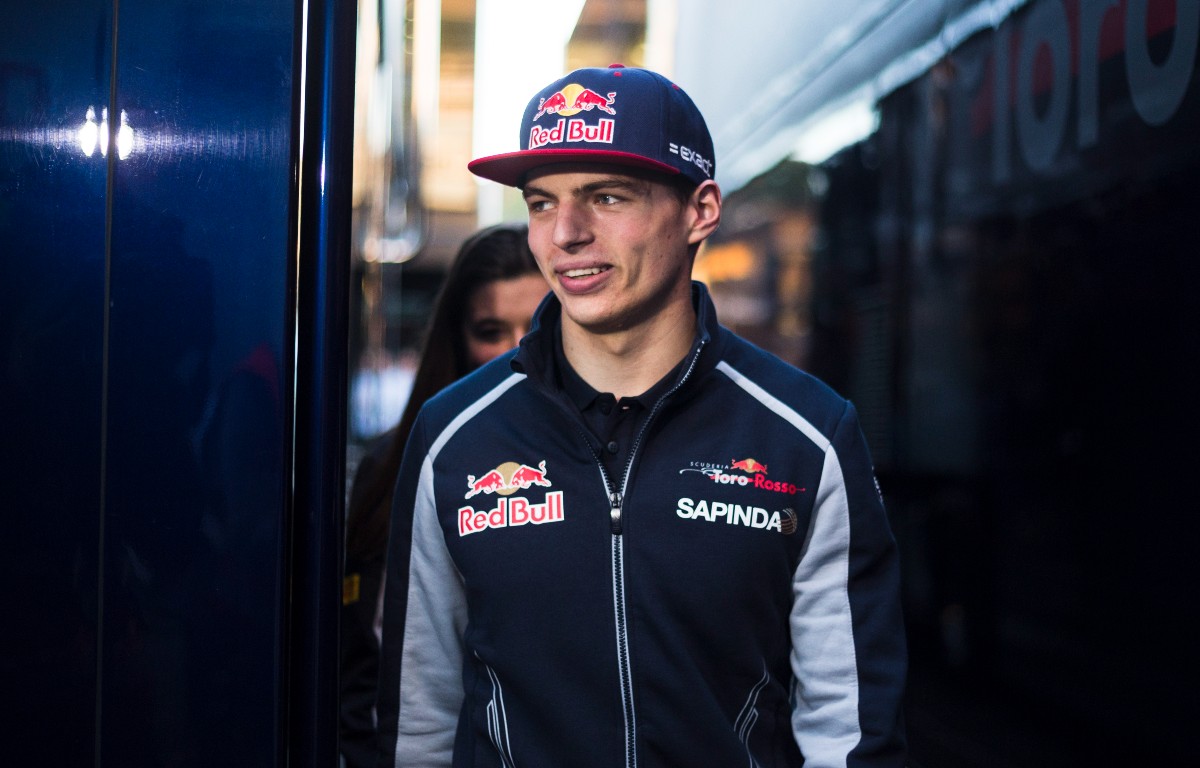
{"points": [[749, 473], [746, 472], [572, 100], [503, 481]]}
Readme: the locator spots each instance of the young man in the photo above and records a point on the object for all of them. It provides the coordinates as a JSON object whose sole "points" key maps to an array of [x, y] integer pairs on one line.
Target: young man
{"points": [[638, 540]]}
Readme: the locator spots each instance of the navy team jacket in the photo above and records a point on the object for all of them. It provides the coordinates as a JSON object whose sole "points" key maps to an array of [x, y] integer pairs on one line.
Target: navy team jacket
{"points": [[731, 600]]}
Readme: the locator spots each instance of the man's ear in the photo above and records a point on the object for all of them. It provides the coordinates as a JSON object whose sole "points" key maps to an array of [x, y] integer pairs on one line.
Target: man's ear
{"points": [[705, 207]]}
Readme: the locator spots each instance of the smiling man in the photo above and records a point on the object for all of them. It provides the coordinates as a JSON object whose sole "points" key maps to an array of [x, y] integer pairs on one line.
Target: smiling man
{"points": [[618, 245], [638, 540]]}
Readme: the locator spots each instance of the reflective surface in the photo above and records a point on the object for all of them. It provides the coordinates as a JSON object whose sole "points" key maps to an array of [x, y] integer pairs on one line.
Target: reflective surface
{"points": [[52, 248], [1003, 281], [147, 484]]}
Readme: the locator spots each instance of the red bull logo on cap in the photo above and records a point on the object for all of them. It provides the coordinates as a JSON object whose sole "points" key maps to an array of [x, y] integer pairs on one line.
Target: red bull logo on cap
{"points": [[572, 131], [573, 99]]}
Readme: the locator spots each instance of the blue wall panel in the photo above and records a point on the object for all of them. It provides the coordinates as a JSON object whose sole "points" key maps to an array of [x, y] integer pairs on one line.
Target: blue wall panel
{"points": [[52, 224], [145, 482], [196, 450]]}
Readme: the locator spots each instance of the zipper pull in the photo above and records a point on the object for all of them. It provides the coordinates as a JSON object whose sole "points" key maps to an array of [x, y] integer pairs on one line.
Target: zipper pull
{"points": [[614, 499]]}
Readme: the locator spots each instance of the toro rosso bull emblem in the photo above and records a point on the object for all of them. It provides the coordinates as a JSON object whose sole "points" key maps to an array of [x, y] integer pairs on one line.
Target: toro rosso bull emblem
{"points": [[575, 98], [503, 481], [749, 466]]}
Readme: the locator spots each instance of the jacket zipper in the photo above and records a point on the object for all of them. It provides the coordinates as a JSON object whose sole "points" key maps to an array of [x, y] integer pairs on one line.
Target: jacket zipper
{"points": [[616, 499], [618, 566]]}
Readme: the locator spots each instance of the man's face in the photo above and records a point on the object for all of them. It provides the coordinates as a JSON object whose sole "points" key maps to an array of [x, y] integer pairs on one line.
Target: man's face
{"points": [[613, 243]]}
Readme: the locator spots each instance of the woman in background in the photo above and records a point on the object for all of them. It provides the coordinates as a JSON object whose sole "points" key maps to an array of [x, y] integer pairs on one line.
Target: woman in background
{"points": [[483, 309]]}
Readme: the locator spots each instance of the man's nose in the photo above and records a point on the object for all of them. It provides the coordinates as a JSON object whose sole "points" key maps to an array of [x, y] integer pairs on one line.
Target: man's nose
{"points": [[571, 226]]}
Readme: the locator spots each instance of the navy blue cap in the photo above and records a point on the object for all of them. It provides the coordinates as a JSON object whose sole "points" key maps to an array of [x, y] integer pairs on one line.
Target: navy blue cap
{"points": [[616, 115]]}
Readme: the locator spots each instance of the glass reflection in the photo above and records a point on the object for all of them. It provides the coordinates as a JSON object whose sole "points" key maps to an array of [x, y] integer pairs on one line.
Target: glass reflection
{"points": [[92, 135], [89, 133]]}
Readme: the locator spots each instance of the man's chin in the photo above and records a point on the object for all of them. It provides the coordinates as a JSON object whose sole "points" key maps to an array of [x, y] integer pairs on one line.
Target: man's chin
{"points": [[594, 320]]}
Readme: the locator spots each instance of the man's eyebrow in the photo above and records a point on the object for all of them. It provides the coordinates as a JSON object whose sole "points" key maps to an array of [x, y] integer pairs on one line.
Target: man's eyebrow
{"points": [[530, 190], [612, 182]]}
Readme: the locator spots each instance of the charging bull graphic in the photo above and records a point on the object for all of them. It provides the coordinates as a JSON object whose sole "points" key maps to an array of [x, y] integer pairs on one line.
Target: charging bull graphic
{"points": [[508, 478], [587, 99], [749, 466], [552, 105], [573, 99], [526, 476]]}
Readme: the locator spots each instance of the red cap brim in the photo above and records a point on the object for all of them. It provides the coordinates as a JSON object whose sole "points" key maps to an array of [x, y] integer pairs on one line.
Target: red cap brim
{"points": [[512, 167]]}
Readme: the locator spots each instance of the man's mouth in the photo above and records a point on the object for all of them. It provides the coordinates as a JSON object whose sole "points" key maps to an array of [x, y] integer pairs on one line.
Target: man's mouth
{"points": [[584, 272]]}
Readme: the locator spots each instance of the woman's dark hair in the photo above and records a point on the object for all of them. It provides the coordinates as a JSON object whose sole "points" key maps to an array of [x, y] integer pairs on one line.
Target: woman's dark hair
{"points": [[499, 252]]}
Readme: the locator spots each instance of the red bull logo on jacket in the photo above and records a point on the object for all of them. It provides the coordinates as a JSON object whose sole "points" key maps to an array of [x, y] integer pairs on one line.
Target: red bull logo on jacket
{"points": [[505, 480], [511, 513], [508, 478]]}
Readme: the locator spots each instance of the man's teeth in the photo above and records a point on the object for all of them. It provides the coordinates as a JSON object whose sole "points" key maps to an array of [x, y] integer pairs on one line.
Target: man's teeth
{"points": [[583, 272]]}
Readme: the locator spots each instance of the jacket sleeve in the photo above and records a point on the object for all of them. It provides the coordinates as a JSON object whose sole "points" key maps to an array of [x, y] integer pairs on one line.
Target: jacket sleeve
{"points": [[424, 616], [848, 646]]}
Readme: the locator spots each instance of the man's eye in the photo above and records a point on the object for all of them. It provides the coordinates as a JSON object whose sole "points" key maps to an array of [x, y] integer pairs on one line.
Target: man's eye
{"points": [[536, 206], [607, 199]]}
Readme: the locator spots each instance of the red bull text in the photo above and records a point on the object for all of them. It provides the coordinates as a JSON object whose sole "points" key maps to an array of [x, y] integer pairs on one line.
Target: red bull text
{"points": [[510, 513], [572, 131]]}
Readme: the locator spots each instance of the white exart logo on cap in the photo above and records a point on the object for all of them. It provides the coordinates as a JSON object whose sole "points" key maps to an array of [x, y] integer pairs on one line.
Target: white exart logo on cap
{"points": [[693, 157]]}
